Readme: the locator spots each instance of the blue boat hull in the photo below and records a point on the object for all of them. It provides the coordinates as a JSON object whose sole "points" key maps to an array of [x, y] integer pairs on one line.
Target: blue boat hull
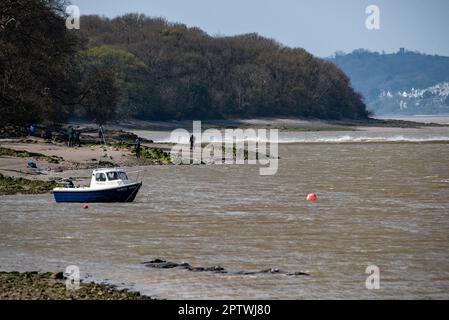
{"points": [[120, 194]]}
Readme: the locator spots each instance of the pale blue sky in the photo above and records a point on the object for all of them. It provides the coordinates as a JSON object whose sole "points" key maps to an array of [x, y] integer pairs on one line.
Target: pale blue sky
{"points": [[320, 26]]}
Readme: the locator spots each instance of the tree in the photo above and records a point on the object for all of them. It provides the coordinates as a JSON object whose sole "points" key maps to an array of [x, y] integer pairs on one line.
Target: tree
{"points": [[138, 66], [101, 94], [135, 84], [198, 76], [36, 61]]}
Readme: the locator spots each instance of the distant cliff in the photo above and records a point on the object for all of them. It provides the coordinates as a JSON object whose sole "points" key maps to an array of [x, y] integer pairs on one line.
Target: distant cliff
{"points": [[400, 83]]}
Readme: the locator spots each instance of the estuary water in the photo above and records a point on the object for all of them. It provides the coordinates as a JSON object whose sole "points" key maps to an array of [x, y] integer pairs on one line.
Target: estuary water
{"points": [[383, 200]]}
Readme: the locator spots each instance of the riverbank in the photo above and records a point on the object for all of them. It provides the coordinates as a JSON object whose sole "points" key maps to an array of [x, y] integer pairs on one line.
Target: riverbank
{"points": [[282, 124], [51, 286], [13, 185], [55, 161]]}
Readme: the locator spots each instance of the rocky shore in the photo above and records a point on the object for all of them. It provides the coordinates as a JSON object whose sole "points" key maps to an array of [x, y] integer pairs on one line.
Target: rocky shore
{"points": [[12, 185], [51, 286]]}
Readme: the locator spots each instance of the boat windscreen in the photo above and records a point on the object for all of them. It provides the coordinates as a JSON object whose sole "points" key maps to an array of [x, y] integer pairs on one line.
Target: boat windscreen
{"points": [[122, 176], [112, 176], [100, 177]]}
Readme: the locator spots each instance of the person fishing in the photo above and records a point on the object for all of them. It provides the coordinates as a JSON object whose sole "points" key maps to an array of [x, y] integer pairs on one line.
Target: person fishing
{"points": [[100, 132], [71, 136], [137, 147]]}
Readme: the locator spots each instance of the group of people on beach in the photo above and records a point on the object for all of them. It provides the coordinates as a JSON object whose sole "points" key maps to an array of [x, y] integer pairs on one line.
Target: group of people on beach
{"points": [[74, 137]]}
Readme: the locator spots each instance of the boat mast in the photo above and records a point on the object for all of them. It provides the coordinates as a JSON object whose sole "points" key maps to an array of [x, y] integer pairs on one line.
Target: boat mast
{"points": [[104, 146]]}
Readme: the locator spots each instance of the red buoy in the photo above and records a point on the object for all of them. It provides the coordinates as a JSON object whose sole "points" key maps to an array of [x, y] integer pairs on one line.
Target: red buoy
{"points": [[85, 206], [312, 197]]}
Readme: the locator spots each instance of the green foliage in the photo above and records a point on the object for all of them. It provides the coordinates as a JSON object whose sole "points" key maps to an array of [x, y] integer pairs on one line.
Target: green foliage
{"points": [[148, 153], [136, 92], [36, 61], [101, 94], [191, 75], [155, 154], [12, 185], [151, 69]]}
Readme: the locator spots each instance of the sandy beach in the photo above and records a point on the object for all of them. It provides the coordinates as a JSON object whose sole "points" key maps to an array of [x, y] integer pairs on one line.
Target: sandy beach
{"points": [[56, 161]]}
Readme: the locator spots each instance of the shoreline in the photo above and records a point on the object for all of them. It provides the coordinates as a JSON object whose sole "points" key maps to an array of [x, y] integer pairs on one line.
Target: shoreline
{"points": [[35, 285], [283, 124], [57, 162]]}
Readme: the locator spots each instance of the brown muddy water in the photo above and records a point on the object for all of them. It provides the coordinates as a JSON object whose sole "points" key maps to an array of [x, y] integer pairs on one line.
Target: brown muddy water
{"points": [[384, 204]]}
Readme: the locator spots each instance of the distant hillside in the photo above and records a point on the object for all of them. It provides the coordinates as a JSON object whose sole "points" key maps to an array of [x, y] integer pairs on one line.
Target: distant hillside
{"points": [[401, 83]]}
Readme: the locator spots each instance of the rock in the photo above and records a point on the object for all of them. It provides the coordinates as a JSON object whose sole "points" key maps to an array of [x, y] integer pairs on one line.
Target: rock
{"points": [[185, 265], [58, 276], [162, 264], [156, 261], [298, 274]]}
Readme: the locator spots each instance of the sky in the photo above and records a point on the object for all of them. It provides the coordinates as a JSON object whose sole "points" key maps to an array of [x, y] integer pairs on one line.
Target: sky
{"points": [[322, 27]]}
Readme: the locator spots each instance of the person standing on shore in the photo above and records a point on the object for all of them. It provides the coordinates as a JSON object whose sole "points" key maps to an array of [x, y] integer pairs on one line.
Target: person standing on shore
{"points": [[31, 130], [71, 136], [100, 132], [137, 147], [77, 138]]}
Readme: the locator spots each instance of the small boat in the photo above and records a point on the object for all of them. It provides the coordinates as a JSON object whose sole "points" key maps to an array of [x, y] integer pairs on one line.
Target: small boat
{"points": [[107, 185]]}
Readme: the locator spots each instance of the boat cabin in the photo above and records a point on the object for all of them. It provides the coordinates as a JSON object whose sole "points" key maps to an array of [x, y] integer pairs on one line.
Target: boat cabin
{"points": [[109, 178]]}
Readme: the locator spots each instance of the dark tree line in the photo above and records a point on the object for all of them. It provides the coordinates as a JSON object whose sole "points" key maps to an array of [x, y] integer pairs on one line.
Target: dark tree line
{"points": [[194, 75], [40, 75], [136, 66]]}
